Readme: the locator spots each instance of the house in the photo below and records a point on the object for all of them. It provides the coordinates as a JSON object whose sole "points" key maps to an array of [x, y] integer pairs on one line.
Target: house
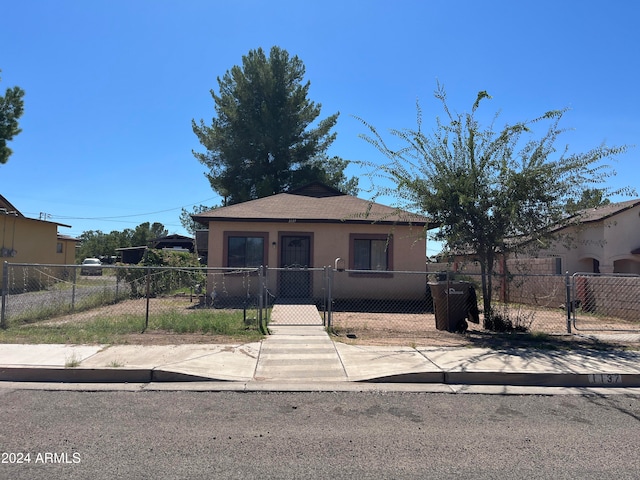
{"points": [[316, 226], [606, 240], [30, 240], [66, 249]]}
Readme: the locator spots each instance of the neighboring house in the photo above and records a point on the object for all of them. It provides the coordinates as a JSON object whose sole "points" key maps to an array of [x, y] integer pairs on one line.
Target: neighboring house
{"points": [[66, 248], [29, 240], [317, 226], [606, 239]]}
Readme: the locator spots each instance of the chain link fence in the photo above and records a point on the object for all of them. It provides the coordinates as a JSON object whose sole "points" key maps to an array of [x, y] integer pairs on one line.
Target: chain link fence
{"points": [[524, 302], [297, 288], [536, 303], [172, 299], [381, 306], [605, 302], [437, 304]]}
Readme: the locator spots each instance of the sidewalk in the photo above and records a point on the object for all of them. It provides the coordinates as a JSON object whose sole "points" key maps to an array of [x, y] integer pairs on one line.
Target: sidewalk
{"points": [[305, 358]]}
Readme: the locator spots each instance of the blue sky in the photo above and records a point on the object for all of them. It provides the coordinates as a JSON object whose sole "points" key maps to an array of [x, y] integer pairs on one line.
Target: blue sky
{"points": [[112, 85]]}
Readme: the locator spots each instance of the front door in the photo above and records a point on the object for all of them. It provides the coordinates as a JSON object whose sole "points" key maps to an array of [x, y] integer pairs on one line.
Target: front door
{"points": [[295, 259]]}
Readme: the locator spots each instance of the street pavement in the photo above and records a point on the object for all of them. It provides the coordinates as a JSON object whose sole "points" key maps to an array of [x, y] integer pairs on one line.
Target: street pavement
{"points": [[305, 358]]}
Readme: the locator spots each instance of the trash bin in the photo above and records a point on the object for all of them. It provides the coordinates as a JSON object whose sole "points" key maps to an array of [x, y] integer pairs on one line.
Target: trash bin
{"points": [[453, 303]]}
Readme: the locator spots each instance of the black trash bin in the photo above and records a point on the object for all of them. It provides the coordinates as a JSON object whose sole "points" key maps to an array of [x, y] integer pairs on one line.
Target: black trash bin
{"points": [[453, 303]]}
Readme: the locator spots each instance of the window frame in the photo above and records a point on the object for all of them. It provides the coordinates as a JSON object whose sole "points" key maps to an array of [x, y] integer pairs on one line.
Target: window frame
{"points": [[244, 234], [387, 238]]}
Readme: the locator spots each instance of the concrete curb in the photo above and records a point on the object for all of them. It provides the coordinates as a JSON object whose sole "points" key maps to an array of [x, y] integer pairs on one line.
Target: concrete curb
{"points": [[96, 375], [534, 379], [544, 379], [74, 375], [146, 376]]}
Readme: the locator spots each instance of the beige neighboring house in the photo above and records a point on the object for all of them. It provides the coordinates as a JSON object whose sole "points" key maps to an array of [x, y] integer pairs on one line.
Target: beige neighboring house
{"points": [[29, 240], [317, 226], [607, 240]]}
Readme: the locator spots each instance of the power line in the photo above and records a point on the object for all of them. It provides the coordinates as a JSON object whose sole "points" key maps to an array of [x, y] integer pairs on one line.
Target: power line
{"points": [[116, 217]]}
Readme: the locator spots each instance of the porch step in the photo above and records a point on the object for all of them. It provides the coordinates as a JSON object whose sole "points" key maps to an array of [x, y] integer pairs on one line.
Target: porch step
{"points": [[299, 354]]}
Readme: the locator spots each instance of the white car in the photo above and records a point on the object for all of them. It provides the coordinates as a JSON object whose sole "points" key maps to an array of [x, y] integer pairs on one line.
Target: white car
{"points": [[91, 266]]}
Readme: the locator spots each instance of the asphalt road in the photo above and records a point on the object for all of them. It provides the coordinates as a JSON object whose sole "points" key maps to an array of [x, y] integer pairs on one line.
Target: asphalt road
{"points": [[157, 435]]}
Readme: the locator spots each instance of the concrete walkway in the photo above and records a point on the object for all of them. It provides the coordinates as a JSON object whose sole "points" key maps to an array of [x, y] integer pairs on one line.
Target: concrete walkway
{"points": [[298, 349], [299, 353]]}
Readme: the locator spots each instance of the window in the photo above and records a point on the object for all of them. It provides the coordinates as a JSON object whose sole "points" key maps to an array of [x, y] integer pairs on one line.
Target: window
{"points": [[371, 252], [59, 248], [245, 250]]}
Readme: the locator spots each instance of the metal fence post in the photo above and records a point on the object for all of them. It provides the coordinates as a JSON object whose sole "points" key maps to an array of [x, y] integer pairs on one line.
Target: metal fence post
{"points": [[325, 294], [447, 296], [568, 303], [329, 297], [325, 286], [260, 298], [5, 289], [73, 289], [148, 295]]}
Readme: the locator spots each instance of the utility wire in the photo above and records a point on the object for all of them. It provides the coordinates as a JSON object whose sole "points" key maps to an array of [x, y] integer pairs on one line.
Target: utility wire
{"points": [[113, 218]]}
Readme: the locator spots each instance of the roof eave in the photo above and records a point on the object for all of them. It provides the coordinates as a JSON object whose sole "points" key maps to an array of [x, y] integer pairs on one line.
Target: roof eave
{"points": [[422, 223]]}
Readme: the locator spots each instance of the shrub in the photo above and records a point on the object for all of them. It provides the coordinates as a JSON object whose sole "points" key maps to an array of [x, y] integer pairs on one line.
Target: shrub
{"points": [[164, 281]]}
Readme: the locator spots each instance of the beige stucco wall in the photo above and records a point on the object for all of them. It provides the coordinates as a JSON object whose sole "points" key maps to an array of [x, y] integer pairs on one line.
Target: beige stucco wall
{"points": [[33, 241], [609, 241], [68, 255], [330, 242]]}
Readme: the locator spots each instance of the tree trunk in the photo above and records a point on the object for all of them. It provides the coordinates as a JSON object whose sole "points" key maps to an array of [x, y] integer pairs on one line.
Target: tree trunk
{"points": [[486, 271]]}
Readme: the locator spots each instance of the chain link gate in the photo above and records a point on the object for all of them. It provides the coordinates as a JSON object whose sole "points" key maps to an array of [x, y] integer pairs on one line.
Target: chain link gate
{"points": [[297, 295]]}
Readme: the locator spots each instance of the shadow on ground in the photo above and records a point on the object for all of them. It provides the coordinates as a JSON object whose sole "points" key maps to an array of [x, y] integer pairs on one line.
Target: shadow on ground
{"points": [[485, 339]]}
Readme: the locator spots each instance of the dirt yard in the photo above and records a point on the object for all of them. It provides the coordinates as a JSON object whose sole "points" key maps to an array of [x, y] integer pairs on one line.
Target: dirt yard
{"points": [[358, 328]]}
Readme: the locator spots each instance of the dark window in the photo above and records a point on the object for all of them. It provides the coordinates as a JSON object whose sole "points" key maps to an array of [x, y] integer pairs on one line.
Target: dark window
{"points": [[371, 253], [245, 251]]}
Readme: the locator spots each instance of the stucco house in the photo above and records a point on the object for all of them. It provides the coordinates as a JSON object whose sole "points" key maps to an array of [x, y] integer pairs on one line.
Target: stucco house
{"points": [[30, 240], [316, 226], [606, 240]]}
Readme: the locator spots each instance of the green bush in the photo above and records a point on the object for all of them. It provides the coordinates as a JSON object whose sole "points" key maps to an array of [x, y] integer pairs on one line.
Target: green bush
{"points": [[164, 281]]}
